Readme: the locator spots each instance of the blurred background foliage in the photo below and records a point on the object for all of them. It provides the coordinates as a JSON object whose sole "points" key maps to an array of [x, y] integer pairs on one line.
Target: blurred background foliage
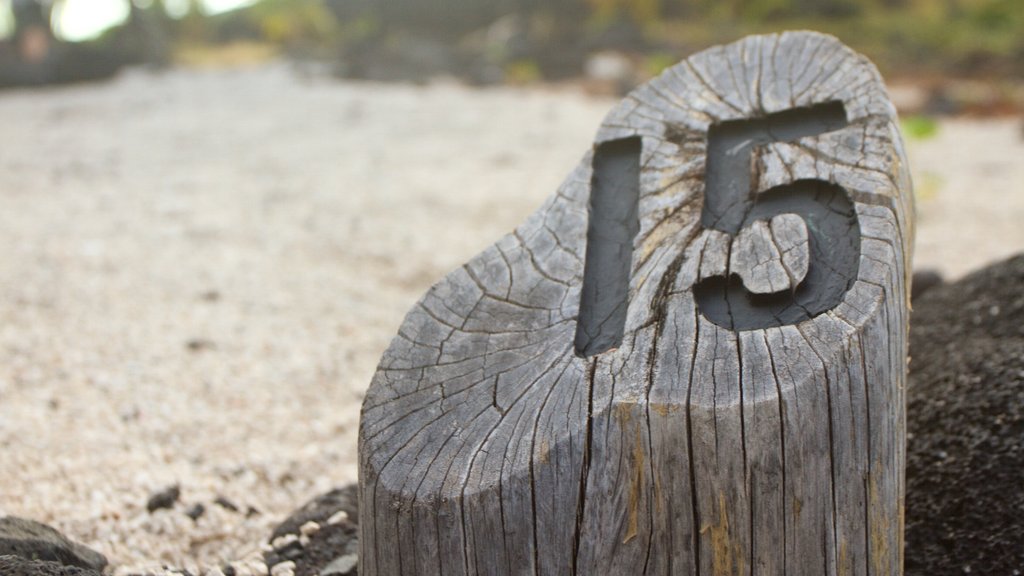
{"points": [[517, 41]]}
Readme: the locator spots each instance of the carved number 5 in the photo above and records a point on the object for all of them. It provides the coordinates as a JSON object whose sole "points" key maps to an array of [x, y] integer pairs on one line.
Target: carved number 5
{"points": [[731, 204]]}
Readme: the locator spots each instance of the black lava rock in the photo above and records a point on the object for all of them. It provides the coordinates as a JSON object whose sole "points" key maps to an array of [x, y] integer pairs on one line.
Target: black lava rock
{"points": [[195, 511], [34, 541], [965, 425], [225, 504], [18, 566], [163, 499], [333, 547], [320, 509]]}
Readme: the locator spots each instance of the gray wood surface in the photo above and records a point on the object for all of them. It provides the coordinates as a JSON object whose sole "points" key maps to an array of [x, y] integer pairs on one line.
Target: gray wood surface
{"points": [[723, 432], [771, 255]]}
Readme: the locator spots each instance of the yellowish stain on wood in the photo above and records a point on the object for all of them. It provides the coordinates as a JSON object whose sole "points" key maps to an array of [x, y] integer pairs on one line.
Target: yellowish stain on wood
{"points": [[880, 526], [902, 529], [638, 462], [725, 553], [624, 412], [844, 558], [668, 228], [545, 452], [663, 409]]}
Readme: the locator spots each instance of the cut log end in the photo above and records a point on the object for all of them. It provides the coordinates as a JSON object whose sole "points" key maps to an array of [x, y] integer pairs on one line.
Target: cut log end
{"points": [[690, 360]]}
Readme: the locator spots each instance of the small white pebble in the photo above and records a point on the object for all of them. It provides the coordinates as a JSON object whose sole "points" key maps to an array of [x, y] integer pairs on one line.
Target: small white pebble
{"points": [[213, 572], [303, 540], [338, 517], [282, 541], [256, 568], [309, 528], [283, 569], [241, 568]]}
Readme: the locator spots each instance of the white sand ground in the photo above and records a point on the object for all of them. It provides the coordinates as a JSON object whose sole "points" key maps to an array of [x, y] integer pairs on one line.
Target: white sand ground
{"points": [[199, 271]]}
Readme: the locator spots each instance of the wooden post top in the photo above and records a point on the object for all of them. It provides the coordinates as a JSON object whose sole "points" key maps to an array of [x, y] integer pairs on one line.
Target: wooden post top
{"points": [[689, 360]]}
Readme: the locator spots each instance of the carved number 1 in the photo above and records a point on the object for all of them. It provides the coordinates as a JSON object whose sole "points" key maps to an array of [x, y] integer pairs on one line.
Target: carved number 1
{"points": [[731, 204]]}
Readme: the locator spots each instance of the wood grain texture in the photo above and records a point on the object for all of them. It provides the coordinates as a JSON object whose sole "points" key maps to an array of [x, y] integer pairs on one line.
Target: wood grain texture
{"points": [[488, 445], [771, 255]]}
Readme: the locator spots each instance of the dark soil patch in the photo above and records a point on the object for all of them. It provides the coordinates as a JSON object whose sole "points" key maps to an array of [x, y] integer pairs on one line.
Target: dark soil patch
{"points": [[331, 542], [965, 425]]}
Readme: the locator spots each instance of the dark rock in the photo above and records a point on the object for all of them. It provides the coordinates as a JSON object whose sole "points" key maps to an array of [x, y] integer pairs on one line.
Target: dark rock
{"points": [[331, 542], [164, 498], [199, 345], [271, 559], [965, 425], [17, 566], [923, 281], [210, 296], [320, 509], [225, 504], [35, 541], [195, 511]]}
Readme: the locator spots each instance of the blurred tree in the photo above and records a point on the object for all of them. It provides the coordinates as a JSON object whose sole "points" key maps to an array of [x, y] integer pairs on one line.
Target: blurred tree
{"points": [[148, 26], [193, 26], [33, 37], [298, 27], [642, 12]]}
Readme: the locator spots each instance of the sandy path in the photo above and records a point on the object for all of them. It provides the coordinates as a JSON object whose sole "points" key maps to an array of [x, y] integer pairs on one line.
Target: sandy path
{"points": [[970, 194], [199, 272]]}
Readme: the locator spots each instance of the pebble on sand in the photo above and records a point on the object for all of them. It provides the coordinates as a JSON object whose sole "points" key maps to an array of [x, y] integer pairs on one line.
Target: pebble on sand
{"points": [[164, 498]]}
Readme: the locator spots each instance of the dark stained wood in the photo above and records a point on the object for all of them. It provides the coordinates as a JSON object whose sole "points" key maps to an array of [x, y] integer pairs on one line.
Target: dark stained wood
{"points": [[748, 419]]}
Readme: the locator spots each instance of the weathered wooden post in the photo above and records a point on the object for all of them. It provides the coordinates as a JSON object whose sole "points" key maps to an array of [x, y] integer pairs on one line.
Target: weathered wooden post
{"points": [[690, 360]]}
